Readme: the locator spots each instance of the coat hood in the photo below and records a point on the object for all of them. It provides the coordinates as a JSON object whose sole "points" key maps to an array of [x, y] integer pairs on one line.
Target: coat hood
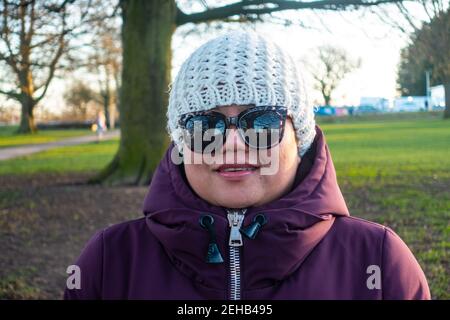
{"points": [[296, 223]]}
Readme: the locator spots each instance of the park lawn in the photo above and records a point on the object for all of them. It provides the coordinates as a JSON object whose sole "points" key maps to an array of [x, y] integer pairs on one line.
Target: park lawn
{"points": [[8, 138], [397, 172], [79, 158], [392, 169]]}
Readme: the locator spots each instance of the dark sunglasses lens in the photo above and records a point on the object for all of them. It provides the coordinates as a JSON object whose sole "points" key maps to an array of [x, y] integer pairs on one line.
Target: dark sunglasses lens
{"points": [[204, 131], [263, 129]]}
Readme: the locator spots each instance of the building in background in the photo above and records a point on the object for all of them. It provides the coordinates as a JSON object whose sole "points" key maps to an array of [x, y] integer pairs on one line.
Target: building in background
{"points": [[373, 105], [411, 104], [379, 103], [437, 95]]}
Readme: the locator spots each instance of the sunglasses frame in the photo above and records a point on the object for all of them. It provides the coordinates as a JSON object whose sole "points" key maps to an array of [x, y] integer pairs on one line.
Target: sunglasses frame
{"points": [[235, 120]]}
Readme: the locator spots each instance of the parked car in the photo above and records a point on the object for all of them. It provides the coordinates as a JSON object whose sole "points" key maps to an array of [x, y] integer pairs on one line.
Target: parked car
{"points": [[365, 110], [325, 111]]}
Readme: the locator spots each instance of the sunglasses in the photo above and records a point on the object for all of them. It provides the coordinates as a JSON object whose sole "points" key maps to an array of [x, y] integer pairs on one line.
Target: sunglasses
{"points": [[259, 127]]}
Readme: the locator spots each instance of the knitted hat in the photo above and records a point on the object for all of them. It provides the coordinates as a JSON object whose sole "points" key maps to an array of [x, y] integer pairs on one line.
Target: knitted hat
{"points": [[240, 68]]}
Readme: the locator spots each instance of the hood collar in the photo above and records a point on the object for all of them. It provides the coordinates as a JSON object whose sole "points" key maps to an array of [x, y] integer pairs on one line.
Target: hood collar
{"points": [[296, 223]]}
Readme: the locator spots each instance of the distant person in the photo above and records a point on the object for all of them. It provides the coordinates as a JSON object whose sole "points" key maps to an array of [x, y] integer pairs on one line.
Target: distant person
{"points": [[265, 219], [100, 125]]}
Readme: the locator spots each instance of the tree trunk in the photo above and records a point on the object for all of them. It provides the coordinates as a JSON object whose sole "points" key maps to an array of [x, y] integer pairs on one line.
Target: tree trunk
{"points": [[27, 101], [147, 32], [27, 124], [447, 100], [116, 95], [106, 106], [112, 115], [326, 98]]}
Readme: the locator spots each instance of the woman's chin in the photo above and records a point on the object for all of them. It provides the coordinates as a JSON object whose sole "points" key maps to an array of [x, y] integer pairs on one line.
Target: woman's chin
{"points": [[236, 200]]}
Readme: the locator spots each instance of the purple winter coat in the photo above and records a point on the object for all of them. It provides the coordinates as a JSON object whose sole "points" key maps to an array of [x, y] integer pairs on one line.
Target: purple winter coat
{"points": [[310, 247]]}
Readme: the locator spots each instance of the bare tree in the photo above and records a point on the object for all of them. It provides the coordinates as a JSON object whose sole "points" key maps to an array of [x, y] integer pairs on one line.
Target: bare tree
{"points": [[78, 97], [429, 41], [105, 60], [34, 36], [433, 44], [147, 31], [333, 65]]}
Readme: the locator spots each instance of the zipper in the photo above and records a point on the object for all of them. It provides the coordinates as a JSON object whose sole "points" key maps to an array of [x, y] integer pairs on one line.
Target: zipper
{"points": [[235, 220]]}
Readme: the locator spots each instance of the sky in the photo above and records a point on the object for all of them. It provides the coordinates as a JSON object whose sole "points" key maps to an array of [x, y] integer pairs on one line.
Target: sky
{"points": [[363, 35]]}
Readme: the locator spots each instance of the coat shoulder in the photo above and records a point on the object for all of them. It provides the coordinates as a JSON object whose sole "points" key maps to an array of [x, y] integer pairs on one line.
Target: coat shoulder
{"points": [[131, 232], [125, 226], [360, 228], [402, 276]]}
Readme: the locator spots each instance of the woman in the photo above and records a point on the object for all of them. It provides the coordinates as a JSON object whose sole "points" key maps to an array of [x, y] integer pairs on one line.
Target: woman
{"points": [[253, 211]]}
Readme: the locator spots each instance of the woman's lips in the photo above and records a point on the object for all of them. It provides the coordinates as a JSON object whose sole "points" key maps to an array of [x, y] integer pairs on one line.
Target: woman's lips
{"points": [[235, 172]]}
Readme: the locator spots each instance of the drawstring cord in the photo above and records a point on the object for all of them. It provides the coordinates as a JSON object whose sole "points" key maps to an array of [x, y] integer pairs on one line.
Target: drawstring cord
{"points": [[213, 255], [252, 230]]}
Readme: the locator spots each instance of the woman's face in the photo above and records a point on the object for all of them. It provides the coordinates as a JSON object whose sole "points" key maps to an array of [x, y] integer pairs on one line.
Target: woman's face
{"points": [[248, 186]]}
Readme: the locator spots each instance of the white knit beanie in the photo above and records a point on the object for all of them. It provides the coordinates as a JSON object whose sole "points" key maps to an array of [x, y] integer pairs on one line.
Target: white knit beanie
{"points": [[240, 68]]}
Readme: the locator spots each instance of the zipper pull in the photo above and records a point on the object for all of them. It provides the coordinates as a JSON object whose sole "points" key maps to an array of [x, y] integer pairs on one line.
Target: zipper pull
{"points": [[235, 220], [252, 230], [213, 255]]}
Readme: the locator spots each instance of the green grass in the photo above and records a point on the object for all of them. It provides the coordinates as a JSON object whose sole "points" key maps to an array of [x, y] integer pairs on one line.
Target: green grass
{"points": [[8, 137], [84, 157], [396, 171], [381, 117], [18, 285], [377, 149], [392, 169]]}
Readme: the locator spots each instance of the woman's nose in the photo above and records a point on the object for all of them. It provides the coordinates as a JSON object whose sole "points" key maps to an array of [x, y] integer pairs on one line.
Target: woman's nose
{"points": [[233, 141]]}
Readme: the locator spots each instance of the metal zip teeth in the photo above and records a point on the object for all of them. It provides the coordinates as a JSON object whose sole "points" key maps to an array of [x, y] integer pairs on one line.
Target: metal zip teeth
{"points": [[235, 274], [235, 263]]}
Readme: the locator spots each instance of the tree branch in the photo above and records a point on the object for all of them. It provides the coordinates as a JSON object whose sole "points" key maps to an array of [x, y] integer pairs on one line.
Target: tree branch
{"points": [[29, 34], [407, 16], [4, 35], [55, 59], [260, 7], [58, 8], [11, 94]]}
